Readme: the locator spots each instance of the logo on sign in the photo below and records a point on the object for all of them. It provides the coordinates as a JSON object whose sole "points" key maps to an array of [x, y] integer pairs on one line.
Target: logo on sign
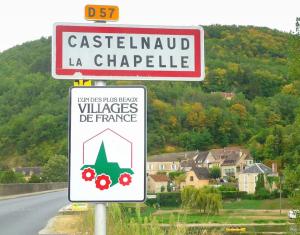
{"points": [[107, 173]]}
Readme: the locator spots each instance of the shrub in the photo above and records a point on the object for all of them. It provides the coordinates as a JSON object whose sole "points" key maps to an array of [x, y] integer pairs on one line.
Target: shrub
{"points": [[274, 194], [232, 194], [227, 187], [35, 179], [151, 202], [262, 193], [215, 172], [169, 199], [248, 196], [8, 177]]}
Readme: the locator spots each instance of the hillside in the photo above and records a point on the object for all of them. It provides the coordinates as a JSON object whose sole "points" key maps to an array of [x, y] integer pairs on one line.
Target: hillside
{"points": [[249, 61]]}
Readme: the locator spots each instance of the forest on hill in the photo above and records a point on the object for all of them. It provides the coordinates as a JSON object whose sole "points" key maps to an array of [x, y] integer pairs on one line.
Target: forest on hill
{"points": [[259, 65]]}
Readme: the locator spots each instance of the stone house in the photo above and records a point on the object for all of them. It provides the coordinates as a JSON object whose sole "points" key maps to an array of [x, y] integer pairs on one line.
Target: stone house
{"points": [[167, 162], [197, 177], [155, 183], [231, 160], [247, 178]]}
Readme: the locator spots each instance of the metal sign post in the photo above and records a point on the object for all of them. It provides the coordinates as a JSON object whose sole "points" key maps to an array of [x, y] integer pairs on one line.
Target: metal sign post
{"points": [[100, 219], [100, 208]]}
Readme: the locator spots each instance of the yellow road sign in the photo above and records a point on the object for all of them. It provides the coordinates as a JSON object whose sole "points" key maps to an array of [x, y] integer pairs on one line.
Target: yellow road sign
{"points": [[101, 12], [82, 83]]}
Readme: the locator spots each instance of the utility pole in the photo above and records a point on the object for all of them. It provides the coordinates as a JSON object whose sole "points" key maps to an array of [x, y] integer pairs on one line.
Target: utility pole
{"points": [[280, 193]]}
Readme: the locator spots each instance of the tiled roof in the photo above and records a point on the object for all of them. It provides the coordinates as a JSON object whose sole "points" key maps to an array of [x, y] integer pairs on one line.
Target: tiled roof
{"points": [[231, 159], [201, 156], [230, 154], [172, 157], [160, 178], [258, 168], [187, 163], [201, 172]]}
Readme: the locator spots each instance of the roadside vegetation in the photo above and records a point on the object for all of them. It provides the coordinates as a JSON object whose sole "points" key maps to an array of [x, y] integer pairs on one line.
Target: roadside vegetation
{"points": [[55, 170], [142, 219]]}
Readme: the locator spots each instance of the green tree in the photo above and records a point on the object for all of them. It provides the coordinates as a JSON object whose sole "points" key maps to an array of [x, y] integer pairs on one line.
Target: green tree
{"points": [[56, 169], [9, 177], [260, 183], [206, 200], [179, 179], [35, 179], [215, 172], [294, 54]]}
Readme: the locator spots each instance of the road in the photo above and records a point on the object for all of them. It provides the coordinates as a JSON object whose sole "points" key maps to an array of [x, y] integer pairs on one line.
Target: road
{"points": [[28, 215]]}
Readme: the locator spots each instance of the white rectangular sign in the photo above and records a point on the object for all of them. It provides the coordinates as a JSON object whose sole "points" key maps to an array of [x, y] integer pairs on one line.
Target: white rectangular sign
{"points": [[107, 144], [127, 52]]}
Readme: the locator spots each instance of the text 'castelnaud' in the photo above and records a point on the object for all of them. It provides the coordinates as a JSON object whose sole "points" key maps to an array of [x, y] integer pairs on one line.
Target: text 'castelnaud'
{"points": [[129, 52]]}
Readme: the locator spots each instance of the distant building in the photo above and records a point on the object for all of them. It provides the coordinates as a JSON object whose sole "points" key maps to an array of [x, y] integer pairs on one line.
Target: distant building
{"points": [[197, 177], [225, 95], [231, 160], [248, 177], [186, 165], [167, 162], [156, 182], [28, 171]]}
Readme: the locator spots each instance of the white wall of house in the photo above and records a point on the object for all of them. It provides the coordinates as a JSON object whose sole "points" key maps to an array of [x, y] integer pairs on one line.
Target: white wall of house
{"points": [[154, 186], [228, 171], [154, 167], [247, 182]]}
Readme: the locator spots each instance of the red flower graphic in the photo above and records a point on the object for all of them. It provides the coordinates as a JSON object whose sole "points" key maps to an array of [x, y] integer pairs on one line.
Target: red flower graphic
{"points": [[125, 179], [88, 174], [103, 182]]}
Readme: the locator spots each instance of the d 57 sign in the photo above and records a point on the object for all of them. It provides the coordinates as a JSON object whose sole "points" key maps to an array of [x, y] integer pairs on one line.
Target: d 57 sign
{"points": [[127, 52], [101, 12], [107, 144]]}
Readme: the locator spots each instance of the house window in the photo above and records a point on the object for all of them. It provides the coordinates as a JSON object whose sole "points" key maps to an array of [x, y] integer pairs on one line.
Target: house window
{"points": [[229, 172], [191, 178], [174, 167], [246, 183], [149, 166], [162, 167]]}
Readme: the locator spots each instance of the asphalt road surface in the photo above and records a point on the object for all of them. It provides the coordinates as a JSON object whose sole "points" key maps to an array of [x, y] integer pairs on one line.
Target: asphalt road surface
{"points": [[28, 215]]}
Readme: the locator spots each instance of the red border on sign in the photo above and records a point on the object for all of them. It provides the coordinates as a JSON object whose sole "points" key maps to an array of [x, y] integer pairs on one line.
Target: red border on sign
{"points": [[60, 29]]}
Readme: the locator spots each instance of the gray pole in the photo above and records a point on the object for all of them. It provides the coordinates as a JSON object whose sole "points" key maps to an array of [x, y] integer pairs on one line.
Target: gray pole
{"points": [[100, 219], [100, 208], [280, 193]]}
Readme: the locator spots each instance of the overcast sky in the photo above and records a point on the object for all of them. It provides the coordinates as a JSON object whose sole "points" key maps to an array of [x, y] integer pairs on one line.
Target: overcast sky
{"points": [[26, 20]]}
